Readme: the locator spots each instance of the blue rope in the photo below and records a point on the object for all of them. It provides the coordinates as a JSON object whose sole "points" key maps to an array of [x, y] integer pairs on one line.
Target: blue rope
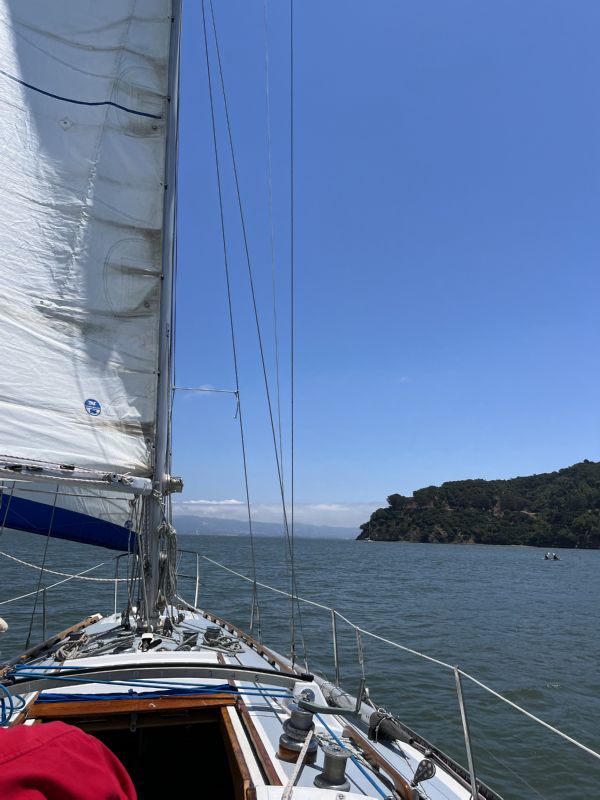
{"points": [[171, 688], [21, 699], [54, 697], [48, 697], [79, 102], [18, 668], [355, 761], [7, 698], [51, 697]]}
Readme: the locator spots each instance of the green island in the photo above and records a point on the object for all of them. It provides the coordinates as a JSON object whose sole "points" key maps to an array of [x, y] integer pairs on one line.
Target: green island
{"points": [[554, 509]]}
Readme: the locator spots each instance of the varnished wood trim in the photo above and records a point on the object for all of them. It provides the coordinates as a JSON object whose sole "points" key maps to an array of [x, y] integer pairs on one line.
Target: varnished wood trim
{"points": [[24, 713], [139, 705], [264, 759], [260, 751], [400, 783], [245, 789]]}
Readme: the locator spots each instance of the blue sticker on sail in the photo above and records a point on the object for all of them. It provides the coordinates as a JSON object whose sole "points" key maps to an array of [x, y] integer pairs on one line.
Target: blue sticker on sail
{"points": [[93, 407]]}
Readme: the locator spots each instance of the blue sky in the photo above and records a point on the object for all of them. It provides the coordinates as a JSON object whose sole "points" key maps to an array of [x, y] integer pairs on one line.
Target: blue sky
{"points": [[447, 242]]}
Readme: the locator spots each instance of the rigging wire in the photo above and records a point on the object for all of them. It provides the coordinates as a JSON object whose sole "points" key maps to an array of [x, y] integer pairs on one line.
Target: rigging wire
{"points": [[272, 231], [273, 280], [175, 260], [134, 564], [37, 591], [10, 497], [292, 303], [257, 323], [419, 654], [203, 389], [255, 604], [139, 561], [61, 574]]}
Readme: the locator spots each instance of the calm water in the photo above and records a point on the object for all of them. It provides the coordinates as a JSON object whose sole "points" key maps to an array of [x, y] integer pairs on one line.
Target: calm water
{"points": [[524, 626]]}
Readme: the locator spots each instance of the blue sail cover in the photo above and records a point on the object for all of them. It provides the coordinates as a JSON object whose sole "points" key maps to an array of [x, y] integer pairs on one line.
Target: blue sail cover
{"points": [[34, 511]]}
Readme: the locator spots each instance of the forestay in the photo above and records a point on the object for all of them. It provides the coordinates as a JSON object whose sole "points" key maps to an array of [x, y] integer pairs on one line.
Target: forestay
{"points": [[83, 121]]}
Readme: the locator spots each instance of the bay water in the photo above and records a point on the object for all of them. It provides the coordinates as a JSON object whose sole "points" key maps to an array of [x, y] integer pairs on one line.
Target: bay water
{"points": [[524, 626]]}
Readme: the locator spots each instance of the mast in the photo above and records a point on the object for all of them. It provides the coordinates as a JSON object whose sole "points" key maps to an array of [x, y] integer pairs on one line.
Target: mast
{"points": [[163, 484]]}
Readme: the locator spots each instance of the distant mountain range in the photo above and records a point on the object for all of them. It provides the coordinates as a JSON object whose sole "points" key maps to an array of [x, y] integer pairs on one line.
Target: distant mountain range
{"points": [[189, 523], [554, 509]]}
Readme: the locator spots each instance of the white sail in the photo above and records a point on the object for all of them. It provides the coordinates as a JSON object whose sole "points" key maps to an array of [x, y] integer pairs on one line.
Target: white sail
{"points": [[83, 126]]}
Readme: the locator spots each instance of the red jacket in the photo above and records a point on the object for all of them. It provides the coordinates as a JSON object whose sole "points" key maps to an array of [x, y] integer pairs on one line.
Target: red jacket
{"points": [[55, 761]]}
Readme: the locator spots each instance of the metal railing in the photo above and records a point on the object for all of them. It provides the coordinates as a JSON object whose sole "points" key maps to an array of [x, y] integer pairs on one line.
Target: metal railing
{"points": [[195, 578], [336, 617], [458, 673]]}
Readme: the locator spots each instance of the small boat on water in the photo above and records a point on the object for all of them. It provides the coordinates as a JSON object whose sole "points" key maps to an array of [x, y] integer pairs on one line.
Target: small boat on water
{"points": [[89, 118]]}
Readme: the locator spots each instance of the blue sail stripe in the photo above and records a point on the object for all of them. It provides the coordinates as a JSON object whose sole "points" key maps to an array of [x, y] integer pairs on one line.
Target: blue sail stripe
{"points": [[29, 515]]}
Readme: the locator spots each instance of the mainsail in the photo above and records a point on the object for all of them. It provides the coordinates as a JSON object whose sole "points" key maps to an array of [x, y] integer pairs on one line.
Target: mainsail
{"points": [[84, 121]]}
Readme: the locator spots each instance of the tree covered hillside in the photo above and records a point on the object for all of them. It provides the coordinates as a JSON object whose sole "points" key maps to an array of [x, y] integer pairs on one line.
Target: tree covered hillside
{"points": [[555, 509]]}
